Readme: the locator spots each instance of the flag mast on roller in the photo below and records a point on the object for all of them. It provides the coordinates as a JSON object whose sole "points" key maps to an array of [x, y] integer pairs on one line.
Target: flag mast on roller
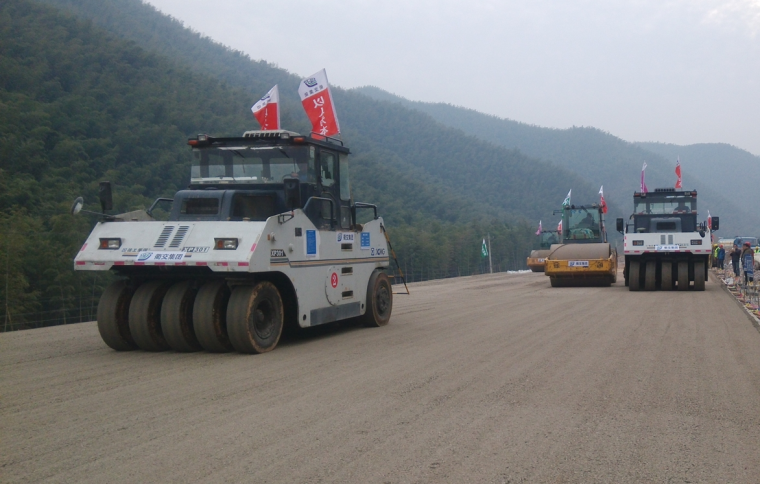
{"points": [[679, 183], [267, 110], [316, 99]]}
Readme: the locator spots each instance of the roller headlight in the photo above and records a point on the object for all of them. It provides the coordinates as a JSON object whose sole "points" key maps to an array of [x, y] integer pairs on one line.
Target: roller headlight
{"points": [[112, 243], [226, 244]]}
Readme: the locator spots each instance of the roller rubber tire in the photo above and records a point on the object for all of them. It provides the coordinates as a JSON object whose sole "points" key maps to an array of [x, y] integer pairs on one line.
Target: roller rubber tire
{"points": [[177, 317], [650, 275], [379, 300], [145, 316], [210, 316], [699, 276], [634, 276], [666, 278], [113, 316], [255, 318], [683, 276]]}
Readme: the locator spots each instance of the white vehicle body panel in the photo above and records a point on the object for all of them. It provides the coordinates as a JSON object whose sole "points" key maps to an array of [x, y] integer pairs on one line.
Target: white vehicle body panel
{"points": [[666, 243], [329, 269]]}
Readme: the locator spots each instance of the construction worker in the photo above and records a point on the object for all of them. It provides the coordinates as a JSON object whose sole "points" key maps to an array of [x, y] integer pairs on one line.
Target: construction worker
{"points": [[721, 256]]}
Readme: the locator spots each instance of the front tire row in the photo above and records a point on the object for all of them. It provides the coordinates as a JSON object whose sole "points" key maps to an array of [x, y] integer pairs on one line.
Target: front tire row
{"points": [[161, 315], [667, 277]]}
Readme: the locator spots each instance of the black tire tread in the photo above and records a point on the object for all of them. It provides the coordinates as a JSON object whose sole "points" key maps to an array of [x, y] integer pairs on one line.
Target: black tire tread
{"points": [[145, 316], [177, 317], [373, 316], [240, 314], [210, 316], [113, 316]]}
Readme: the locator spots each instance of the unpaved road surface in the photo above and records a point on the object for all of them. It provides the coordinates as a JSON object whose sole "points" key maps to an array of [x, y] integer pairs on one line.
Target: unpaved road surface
{"points": [[491, 379]]}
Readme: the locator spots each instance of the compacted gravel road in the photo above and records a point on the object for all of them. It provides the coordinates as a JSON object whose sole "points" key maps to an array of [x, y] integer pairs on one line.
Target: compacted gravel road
{"points": [[496, 378]]}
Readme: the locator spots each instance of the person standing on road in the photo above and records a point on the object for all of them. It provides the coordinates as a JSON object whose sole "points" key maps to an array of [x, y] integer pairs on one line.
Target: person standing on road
{"points": [[721, 256], [735, 254], [748, 262]]}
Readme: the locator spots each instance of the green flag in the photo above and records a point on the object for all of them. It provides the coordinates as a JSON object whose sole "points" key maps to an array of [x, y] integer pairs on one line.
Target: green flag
{"points": [[566, 203], [484, 249]]}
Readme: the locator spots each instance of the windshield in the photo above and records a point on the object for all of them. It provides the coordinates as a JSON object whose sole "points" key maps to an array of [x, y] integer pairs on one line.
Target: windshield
{"points": [[582, 224], [546, 239], [246, 164], [664, 205]]}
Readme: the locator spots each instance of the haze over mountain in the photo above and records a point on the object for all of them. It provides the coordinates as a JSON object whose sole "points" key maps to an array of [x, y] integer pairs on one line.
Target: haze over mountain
{"points": [[607, 160], [679, 71]]}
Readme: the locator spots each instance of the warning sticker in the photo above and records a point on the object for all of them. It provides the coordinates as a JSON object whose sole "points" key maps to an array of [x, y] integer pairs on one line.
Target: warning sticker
{"points": [[365, 241]]}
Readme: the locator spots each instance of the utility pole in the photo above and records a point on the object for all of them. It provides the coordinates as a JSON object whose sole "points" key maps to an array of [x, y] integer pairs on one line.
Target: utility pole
{"points": [[490, 263]]}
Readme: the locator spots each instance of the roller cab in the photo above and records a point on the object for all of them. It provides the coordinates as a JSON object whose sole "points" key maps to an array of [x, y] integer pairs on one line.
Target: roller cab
{"points": [[585, 258], [537, 258]]}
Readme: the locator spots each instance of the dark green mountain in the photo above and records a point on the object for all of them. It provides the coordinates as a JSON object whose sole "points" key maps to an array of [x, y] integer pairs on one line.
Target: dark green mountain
{"points": [[80, 102], [494, 179], [601, 158]]}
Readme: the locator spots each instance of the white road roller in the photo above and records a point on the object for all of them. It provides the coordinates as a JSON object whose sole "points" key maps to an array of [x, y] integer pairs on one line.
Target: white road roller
{"points": [[666, 247], [266, 235]]}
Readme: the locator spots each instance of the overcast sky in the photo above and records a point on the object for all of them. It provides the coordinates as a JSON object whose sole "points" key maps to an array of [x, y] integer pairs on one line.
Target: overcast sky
{"points": [[675, 71]]}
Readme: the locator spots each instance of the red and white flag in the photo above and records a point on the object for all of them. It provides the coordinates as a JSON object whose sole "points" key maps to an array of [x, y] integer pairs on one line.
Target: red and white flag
{"points": [[559, 227], [602, 203], [679, 183], [267, 110], [709, 221], [317, 102], [643, 183], [538, 232]]}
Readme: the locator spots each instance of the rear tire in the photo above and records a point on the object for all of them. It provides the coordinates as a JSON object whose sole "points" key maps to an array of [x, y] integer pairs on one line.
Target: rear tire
{"points": [[113, 316], [177, 317], [699, 276], [210, 316], [379, 300], [683, 276], [634, 276], [667, 276], [255, 318], [650, 276], [145, 316]]}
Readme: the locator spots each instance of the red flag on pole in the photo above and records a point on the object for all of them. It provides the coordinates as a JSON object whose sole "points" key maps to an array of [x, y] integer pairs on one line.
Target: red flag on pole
{"points": [[709, 221], [538, 232], [602, 203], [267, 110], [643, 183], [559, 227], [679, 184], [317, 102]]}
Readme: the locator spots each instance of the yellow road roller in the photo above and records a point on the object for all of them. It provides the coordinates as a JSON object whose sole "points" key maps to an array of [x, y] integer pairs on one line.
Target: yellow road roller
{"points": [[584, 258], [537, 256]]}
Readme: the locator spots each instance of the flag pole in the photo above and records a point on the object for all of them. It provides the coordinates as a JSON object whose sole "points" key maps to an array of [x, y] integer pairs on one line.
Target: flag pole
{"points": [[490, 264]]}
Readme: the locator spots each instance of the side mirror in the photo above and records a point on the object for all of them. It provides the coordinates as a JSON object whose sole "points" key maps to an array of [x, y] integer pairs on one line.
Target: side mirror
{"points": [[106, 198], [292, 193], [715, 224], [620, 224], [77, 207]]}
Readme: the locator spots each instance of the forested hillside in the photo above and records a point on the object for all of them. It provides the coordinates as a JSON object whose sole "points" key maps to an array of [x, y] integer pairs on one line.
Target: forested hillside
{"points": [[599, 157], [79, 104]]}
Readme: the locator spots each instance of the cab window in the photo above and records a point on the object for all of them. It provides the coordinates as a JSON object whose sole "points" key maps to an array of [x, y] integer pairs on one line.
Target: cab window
{"points": [[345, 188], [327, 169]]}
